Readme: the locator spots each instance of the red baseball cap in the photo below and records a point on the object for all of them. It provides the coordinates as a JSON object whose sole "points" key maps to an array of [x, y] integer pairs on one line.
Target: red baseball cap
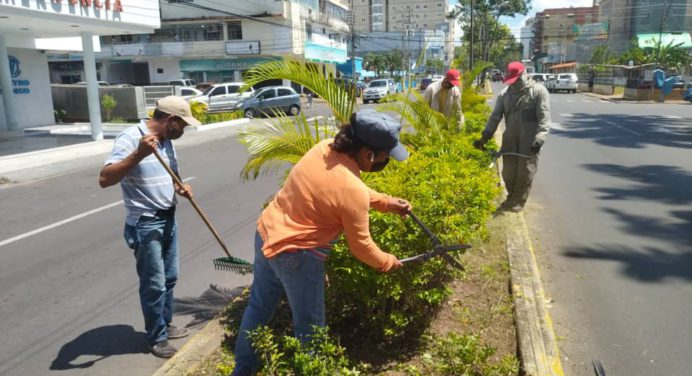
{"points": [[514, 70], [453, 77]]}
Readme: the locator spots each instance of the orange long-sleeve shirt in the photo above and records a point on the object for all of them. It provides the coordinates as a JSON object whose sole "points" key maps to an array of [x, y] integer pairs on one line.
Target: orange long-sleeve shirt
{"points": [[322, 197]]}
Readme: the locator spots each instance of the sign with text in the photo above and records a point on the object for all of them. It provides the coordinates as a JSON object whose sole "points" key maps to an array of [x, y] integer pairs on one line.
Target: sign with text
{"points": [[243, 47], [135, 12]]}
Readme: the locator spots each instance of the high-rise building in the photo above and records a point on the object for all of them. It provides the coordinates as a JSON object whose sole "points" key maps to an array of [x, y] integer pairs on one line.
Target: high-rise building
{"points": [[410, 21], [557, 30], [644, 19], [526, 37]]}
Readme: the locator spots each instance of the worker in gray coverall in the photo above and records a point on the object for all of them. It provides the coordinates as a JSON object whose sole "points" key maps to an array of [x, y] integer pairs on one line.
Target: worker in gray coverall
{"points": [[525, 107]]}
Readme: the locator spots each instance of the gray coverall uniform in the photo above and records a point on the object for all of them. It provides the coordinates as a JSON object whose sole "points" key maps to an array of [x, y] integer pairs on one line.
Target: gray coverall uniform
{"points": [[527, 122]]}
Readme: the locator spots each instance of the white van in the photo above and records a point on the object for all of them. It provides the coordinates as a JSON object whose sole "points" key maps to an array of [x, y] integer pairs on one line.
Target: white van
{"points": [[563, 82]]}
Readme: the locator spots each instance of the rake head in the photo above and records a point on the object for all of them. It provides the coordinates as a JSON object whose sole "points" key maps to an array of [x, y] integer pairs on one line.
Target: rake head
{"points": [[233, 264]]}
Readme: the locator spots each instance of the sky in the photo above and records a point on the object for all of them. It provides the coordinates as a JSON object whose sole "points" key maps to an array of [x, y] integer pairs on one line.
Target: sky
{"points": [[516, 23]]}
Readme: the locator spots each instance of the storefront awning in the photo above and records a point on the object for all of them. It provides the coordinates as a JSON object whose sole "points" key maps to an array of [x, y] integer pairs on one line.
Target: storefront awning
{"points": [[682, 40], [565, 65]]}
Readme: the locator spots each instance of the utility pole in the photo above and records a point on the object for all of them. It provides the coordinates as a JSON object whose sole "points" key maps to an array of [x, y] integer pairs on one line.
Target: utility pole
{"points": [[471, 51]]}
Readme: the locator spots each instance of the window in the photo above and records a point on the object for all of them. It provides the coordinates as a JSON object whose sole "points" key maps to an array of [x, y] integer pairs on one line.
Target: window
{"points": [[221, 90], [425, 7], [439, 5], [417, 6], [187, 92], [235, 30], [212, 32], [285, 92], [269, 93], [233, 89]]}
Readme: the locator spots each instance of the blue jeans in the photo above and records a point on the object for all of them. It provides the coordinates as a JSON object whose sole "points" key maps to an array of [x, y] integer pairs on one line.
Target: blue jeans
{"points": [[300, 275], [155, 244]]}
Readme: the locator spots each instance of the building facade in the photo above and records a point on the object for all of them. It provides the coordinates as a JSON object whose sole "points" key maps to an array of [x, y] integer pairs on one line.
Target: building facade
{"points": [[404, 24], [643, 20], [526, 35], [209, 41], [556, 32], [29, 29]]}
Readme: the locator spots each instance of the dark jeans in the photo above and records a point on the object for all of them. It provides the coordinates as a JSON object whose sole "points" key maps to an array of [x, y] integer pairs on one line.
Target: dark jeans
{"points": [[298, 275], [155, 244]]}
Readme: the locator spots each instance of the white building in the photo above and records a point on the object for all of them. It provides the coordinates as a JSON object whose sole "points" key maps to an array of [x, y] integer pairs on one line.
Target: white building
{"points": [[30, 27], [213, 41], [527, 39]]}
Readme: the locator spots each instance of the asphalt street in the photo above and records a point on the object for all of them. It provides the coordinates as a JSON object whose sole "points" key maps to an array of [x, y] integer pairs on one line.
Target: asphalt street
{"points": [[69, 302], [611, 220]]}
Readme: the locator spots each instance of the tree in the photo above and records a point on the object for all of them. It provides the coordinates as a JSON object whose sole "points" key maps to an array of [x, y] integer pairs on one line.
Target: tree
{"points": [[434, 65], [486, 27], [108, 102]]}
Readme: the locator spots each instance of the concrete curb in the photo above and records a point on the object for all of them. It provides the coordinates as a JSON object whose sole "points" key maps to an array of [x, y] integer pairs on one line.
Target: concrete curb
{"points": [[195, 351], [538, 351]]}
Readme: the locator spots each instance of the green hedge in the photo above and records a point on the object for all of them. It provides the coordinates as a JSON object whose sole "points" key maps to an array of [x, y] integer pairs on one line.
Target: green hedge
{"points": [[451, 190]]}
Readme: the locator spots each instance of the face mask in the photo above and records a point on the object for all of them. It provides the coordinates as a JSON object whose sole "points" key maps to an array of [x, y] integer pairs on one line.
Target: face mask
{"points": [[379, 166], [173, 133], [520, 82]]}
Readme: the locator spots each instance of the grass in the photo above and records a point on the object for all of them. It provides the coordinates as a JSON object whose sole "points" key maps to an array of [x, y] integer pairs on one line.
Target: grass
{"points": [[476, 325]]}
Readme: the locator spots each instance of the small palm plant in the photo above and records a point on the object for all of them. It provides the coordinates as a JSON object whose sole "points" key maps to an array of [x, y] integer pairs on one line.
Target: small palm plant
{"points": [[285, 140]]}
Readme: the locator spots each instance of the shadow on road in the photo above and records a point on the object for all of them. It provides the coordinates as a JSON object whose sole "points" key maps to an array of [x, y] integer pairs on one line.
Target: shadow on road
{"points": [[648, 130], [647, 265], [664, 185], [102, 343], [204, 308]]}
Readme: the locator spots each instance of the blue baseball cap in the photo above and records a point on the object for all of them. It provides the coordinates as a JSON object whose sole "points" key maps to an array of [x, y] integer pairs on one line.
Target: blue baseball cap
{"points": [[379, 131]]}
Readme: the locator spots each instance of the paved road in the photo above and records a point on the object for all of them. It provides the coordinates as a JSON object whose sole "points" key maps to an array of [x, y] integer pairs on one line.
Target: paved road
{"points": [[68, 300], [610, 213]]}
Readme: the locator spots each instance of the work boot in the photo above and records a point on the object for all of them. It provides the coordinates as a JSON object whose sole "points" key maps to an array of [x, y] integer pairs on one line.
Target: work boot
{"points": [[163, 349], [174, 332]]}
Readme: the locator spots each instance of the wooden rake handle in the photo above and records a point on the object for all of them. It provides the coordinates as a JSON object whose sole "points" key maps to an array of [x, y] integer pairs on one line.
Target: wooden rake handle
{"points": [[177, 180]]}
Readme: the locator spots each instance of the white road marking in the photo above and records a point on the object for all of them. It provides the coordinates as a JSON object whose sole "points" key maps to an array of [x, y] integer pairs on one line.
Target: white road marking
{"points": [[623, 128], [65, 221], [570, 101], [672, 117], [566, 115]]}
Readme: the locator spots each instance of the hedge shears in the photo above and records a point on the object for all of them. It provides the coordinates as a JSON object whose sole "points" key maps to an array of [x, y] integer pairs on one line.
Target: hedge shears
{"points": [[438, 248]]}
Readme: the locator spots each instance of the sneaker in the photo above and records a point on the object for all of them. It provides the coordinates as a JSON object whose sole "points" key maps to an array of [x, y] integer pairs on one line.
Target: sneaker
{"points": [[516, 208], [174, 332], [163, 349]]}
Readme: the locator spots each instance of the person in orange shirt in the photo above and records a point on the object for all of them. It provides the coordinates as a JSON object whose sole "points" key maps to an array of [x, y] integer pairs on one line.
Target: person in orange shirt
{"points": [[322, 198]]}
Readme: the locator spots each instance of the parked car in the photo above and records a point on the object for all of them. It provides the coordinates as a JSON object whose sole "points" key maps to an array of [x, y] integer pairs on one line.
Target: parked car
{"points": [[563, 82], [679, 82], [498, 76], [222, 96], [188, 92], [183, 82], [424, 83], [100, 83], [541, 78], [269, 99], [378, 89]]}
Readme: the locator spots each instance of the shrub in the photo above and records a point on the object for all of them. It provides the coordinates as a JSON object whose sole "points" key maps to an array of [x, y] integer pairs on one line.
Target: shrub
{"points": [[321, 356], [108, 102], [199, 112], [451, 190], [464, 355]]}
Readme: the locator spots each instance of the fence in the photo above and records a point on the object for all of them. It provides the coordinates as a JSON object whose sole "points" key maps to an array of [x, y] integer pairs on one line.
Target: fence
{"points": [[73, 100], [154, 93]]}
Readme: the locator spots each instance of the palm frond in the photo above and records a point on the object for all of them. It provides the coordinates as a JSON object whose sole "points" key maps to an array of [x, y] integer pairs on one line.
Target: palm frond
{"points": [[280, 142], [304, 73]]}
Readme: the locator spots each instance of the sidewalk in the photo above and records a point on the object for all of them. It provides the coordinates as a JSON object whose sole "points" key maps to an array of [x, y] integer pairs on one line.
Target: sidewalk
{"points": [[31, 153], [620, 99]]}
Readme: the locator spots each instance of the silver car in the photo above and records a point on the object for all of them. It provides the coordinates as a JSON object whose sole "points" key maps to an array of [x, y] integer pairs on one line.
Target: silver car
{"points": [[269, 99], [378, 89], [222, 96]]}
